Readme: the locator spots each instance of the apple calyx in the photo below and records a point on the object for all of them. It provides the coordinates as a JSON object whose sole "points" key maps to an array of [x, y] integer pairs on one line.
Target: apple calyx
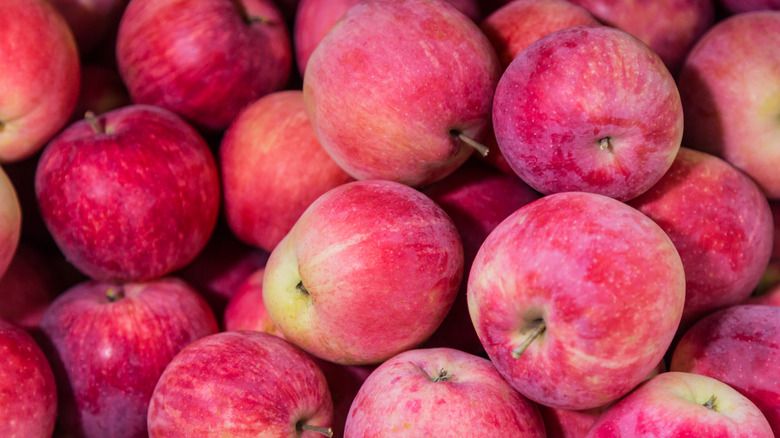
{"points": [[605, 143], [115, 294], [538, 328], [301, 427], [710, 404], [301, 288], [442, 376], [482, 149], [90, 117]]}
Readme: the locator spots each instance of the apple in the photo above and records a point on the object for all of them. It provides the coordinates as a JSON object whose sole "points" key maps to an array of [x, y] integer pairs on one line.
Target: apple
{"points": [[740, 6], [203, 59], [27, 288], [39, 76], [730, 89], [369, 270], [102, 90], [416, 125], [721, 225], [246, 309], [770, 297], [240, 384], [740, 346], [576, 297], [440, 392], [273, 167], [90, 20], [28, 395], [130, 195], [109, 343], [10, 221], [588, 109], [676, 404]]}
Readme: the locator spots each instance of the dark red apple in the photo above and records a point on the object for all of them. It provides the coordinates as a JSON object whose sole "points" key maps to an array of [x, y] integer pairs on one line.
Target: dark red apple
{"points": [[27, 288]]}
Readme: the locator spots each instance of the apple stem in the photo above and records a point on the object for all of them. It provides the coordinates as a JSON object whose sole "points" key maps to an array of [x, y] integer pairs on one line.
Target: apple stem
{"points": [[327, 431], [92, 120], [115, 294], [481, 148], [605, 144], [301, 288], [2, 125], [443, 376], [710, 404], [538, 330]]}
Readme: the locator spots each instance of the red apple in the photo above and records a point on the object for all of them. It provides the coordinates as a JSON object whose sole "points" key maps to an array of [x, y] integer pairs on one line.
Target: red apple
{"points": [[39, 76], [240, 384], [27, 288], [28, 395], [410, 126], [90, 20], [576, 297], [369, 270], [108, 345], [203, 59], [564, 124], [10, 221], [273, 167], [440, 392], [730, 89], [246, 309], [130, 195], [739, 346]]}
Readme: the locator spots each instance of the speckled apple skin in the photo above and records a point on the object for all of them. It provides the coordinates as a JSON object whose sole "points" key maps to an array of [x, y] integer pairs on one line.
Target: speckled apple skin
{"points": [[28, 394], [10, 221], [671, 405], [107, 357], [570, 89], [720, 224], [273, 167], [730, 89], [400, 399], [382, 264], [239, 384], [131, 204], [605, 279], [739, 346], [200, 58], [39, 76], [391, 80]]}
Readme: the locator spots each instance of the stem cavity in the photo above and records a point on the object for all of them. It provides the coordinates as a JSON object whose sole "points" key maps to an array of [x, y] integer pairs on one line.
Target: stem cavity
{"points": [[539, 328], [710, 404], [443, 376], [248, 19], [301, 427], [605, 143], [115, 294], [482, 149], [301, 288]]}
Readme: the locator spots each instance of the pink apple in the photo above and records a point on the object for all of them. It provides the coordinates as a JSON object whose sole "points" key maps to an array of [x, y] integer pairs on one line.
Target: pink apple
{"points": [[702, 204], [729, 86], [90, 20], [739, 6], [246, 309], [240, 384], [396, 86], [576, 297], [27, 288], [203, 59], [10, 221], [273, 167], [564, 124], [28, 395], [369, 270], [679, 404], [109, 343], [39, 76], [102, 90], [739, 346], [440, 392], [131, 195]]}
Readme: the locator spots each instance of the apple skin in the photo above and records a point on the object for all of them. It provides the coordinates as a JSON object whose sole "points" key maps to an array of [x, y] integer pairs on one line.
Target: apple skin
{"points": [[672, 404], [107, 356], [730, 89], [599, 275], [701, 204], [403, 398], [403, 127], [203, 59], [240, 384], [28, 393], [739, 346], [273, 167], [564, 125], [39, 77], [27, 288], [770, 297], [10, 221], [246, 310], [740, 6], [134, 202], [369, 270], [91, 21]]}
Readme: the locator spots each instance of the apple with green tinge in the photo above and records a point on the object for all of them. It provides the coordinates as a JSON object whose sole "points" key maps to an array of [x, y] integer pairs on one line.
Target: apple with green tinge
{"points": [[400, 89], [10, 221], [588, 109], [369, 270], [576, 297], [244, 384], [39, 76], [676, 404]]}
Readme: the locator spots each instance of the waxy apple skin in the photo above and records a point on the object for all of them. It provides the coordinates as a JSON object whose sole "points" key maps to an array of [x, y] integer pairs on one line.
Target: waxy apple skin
{"points": [[369, 270], [134, 202], [440, 392], [240, 384], [107, 356], [739, 346], [28, 393], [588, 109], [401, 126], [607, 283]]}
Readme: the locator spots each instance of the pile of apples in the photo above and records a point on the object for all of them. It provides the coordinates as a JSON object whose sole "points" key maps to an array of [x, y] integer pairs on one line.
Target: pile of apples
{"points": [[389, 218]]}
